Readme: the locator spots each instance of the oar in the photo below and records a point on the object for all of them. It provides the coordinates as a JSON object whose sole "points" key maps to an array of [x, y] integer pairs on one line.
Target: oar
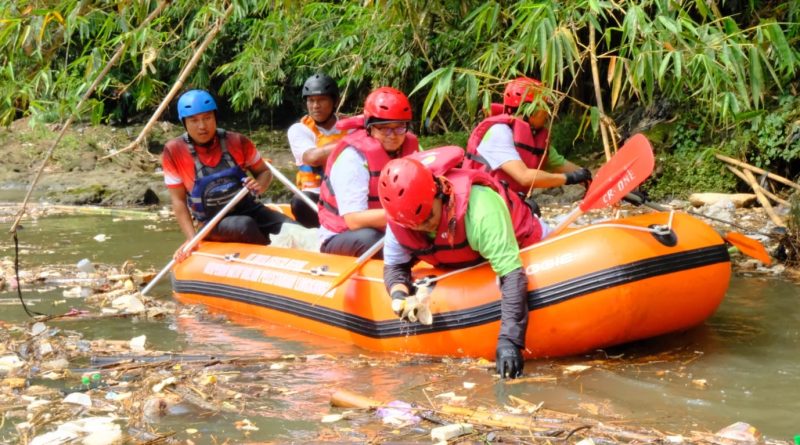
{"points": [[277, 174], [628, 168], [355, 266], [745, 244], [199, 236]]}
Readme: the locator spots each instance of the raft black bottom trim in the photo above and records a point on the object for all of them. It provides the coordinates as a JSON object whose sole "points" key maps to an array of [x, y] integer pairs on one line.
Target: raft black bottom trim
{"points": [[474, 316]]}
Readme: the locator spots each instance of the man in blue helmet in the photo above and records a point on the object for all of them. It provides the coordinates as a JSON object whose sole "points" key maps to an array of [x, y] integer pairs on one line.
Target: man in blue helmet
{"points": [[206, 166]]}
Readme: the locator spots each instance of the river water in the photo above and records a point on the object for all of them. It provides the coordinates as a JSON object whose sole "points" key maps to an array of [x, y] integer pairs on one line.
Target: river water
{"points": [[743, 364]]}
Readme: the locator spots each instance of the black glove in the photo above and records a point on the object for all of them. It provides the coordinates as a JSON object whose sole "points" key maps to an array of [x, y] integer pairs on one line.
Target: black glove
{"points": [[636, 197], [534, 206], [509, 361], [575, 177]]}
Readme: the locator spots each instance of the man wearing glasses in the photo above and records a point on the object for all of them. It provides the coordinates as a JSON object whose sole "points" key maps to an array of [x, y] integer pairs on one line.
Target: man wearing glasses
{"points": [[351, 217]]}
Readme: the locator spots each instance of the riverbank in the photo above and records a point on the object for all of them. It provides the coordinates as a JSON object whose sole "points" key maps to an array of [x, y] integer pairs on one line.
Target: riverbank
{"points": [[84, 170]]}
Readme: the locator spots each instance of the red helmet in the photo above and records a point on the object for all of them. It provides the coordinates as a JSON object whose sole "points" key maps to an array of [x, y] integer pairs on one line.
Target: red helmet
{"points": [[387, 104], [513, 95], [406, 189]]}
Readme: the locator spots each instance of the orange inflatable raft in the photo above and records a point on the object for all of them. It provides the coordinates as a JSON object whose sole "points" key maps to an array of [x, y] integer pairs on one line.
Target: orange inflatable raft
{"points": [[592, 287]]}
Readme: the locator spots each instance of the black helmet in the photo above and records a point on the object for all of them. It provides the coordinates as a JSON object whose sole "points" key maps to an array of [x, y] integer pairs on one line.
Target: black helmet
{"points": [[320, 84]]}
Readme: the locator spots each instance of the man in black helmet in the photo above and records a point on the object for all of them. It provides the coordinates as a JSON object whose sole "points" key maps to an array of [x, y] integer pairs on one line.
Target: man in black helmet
{"points": [[312, 140]]}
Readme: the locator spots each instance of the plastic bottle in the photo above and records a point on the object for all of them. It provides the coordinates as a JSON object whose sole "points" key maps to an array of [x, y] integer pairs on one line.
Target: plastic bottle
{"points": [[85, 265]]}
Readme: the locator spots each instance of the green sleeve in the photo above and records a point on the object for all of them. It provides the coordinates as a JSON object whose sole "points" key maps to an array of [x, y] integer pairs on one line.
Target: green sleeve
{"points": [[554, 159], [489, 230]]}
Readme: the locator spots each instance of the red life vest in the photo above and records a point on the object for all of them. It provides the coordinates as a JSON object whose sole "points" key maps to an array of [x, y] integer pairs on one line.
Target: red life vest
{"points": [[450, 248], [531, 147], [376, 157]]}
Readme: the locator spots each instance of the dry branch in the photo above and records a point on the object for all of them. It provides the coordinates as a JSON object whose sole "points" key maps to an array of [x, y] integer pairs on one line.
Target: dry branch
{"points": [[755, 169], [177, 85], [763, 199], [766, 192]]}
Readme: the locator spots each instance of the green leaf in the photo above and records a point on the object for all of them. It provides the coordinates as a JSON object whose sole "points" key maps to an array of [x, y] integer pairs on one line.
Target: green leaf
{"points": [[786, 57], [669, 24], [595, 119], [663, 68], [756, 76], [748, 115]]}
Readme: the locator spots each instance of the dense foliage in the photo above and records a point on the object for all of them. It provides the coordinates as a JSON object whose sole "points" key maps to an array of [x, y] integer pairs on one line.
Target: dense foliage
{"points": [[719, 63]]}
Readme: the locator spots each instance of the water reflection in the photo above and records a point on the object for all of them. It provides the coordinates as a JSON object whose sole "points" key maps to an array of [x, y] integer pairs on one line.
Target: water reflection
{"points": [[746, 354]]}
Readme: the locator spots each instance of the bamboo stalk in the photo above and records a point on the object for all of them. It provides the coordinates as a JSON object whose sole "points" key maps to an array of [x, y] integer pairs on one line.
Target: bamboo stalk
{"points": [[346, 399], [766, 192], [117, 55], [755, 169], [763, 199], [427, 58], [177, 85], [597, 94]]}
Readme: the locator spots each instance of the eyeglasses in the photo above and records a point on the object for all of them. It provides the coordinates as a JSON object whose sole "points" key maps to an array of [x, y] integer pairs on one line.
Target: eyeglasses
{"points": [[388, 131]]}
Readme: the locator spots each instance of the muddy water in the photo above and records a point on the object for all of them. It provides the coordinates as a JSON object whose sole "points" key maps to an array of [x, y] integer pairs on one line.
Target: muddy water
{"points": [[741, 365]]}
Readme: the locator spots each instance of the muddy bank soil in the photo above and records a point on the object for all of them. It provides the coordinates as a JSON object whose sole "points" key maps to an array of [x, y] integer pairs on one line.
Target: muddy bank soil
{"points": [[77, 172]]}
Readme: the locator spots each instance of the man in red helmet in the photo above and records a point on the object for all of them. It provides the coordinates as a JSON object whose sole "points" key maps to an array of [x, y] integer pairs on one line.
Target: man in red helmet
{"points": [[455, 220], [515, 149], [312, 140], [350, 215]]}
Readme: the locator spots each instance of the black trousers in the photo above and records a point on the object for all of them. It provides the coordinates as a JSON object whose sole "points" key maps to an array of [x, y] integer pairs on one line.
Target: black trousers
{"points": [[353, 242], [303, 214], [251, 224]]}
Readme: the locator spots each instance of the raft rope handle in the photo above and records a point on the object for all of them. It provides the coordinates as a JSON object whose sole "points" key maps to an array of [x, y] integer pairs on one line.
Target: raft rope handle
{"points": [[431, 279], [316, 271]]}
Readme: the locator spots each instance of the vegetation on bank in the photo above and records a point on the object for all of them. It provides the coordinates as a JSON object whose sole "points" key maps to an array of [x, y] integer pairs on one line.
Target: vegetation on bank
{"points": [[700, 77]]}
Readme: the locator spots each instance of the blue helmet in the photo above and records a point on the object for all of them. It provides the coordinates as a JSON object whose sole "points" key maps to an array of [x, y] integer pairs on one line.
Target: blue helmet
{"points": [[195, 102]]}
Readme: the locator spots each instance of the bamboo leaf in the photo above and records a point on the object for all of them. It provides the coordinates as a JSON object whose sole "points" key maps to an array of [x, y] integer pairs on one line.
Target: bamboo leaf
{"points": [[702, 8], [616, 85], [663, 68], [612, 64], [669, 24], [595, 118], [756, 76], [778, 40]]}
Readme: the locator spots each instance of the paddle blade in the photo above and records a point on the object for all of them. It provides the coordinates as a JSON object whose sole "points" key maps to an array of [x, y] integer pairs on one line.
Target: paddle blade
{"points": [[628, 168], [749, 247]]}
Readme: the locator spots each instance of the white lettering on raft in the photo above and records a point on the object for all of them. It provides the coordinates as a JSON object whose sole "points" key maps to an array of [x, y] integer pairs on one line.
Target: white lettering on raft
{"points": [[533, 268], [286, 280]]}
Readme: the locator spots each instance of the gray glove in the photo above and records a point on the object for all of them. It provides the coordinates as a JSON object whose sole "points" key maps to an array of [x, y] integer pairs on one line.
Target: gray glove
{"points": [[413, 308]]}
